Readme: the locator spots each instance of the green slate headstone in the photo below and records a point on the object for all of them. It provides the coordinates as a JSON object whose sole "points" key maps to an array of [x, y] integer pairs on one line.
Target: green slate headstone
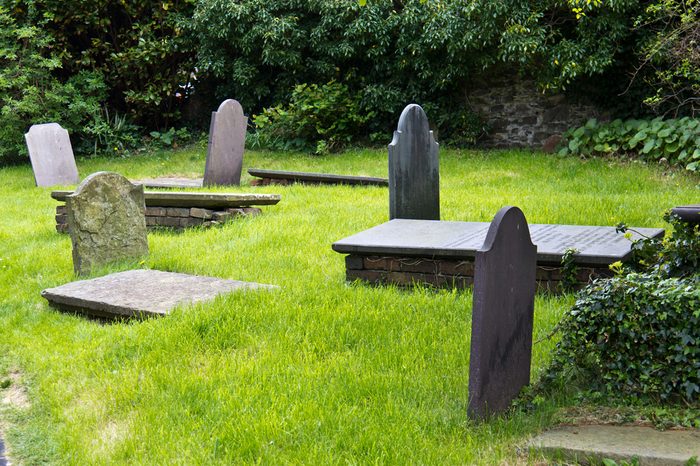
{"points": [[106, 221]]}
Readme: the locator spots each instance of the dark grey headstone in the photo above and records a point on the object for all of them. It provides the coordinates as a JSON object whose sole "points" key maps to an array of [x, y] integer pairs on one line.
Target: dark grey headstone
{"points": [[205, 200], [442, 239], [226, 144], [106, 221], [688, 213], [51, 155], [140, 293], [414, 178], [319, 178], [502, 314]]}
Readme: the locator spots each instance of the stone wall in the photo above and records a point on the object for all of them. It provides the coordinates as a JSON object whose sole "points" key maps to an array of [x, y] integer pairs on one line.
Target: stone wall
{"points": [[448, 273], [176, 218], [520, 115]]}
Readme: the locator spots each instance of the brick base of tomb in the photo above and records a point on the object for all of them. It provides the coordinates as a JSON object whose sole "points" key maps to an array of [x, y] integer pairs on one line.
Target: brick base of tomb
{"points": [[448, 273], [177, 218]]}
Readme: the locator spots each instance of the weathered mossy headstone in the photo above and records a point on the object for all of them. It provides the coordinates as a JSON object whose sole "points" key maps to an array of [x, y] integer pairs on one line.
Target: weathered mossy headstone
{"points": [[226, 144], [414, 172], [502, 314], [106, 221], [51, 155]]}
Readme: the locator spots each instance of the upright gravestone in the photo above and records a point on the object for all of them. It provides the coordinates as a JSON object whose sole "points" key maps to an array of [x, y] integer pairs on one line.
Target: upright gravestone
{"points": [[226, 143], [51, 155], [502, 314], [106, 221], [414, 178]]}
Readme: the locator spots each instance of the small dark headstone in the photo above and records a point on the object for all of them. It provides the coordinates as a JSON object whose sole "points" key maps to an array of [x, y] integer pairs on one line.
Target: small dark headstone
{"points": [[414, 178], [688, 213], [502, 314], [226, 145], [106, 221], [51, 154]]}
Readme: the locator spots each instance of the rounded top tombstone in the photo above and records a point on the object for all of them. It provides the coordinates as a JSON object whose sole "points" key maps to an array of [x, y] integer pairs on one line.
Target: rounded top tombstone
{"points": [[414, 177], [106, 221], [226, 145], [51, 155]]}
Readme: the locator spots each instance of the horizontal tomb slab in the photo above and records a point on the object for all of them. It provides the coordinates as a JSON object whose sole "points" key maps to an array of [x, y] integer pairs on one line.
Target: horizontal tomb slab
{"points": [[439, 253]]}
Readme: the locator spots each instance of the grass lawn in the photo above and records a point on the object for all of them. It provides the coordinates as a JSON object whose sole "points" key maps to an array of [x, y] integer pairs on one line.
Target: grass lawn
{"points": [[318, 372]]}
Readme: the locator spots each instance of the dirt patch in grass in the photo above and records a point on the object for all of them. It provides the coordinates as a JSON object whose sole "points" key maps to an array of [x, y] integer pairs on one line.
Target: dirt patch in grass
{"points": [[15, 395]]}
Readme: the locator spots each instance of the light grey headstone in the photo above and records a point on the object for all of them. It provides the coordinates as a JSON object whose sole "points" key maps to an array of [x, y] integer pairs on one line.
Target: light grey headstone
{"points": [[226, 144], [51, 155], [502, 314], [414, 178], [141, 293], [106, 221]]}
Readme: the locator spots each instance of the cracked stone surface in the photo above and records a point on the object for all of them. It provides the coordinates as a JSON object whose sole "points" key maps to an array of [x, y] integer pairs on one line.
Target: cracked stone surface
{"points": [[106, 221]]}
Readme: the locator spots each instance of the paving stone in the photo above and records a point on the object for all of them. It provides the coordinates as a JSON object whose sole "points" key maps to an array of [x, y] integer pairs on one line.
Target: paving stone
{"points": [[221, 216], [51, 155], [177, 212], [226, 144], [459, 240], [106, 222], [201, 213], [317, 178], [156, 211], [140, 293], [620, 443], [189, 200], [414, 172]]}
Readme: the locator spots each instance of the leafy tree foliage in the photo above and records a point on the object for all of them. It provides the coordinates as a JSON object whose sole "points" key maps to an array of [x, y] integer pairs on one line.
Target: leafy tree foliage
{"points": [[30, 93], [140, 47], [395, 52]]}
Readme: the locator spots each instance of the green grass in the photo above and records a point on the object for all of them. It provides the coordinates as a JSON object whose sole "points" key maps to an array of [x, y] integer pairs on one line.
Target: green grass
{"points": [[317, 372]]}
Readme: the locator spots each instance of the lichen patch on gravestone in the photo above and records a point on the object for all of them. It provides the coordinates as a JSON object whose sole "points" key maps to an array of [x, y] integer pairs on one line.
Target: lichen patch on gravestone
{"points": [[106, 222]]}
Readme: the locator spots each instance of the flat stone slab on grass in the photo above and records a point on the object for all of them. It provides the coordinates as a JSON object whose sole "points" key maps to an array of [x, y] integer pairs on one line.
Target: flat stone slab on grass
{"points": [[171, 182], [206, 200], [317, 178], [140, 293], [441, 239], [619, 443]]}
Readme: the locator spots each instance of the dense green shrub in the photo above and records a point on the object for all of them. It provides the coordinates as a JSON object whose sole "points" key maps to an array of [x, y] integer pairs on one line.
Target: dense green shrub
{"points": [[638, 334], [390, 54], [141, 48], [29, 92], [675, 140], [321, 118]]}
